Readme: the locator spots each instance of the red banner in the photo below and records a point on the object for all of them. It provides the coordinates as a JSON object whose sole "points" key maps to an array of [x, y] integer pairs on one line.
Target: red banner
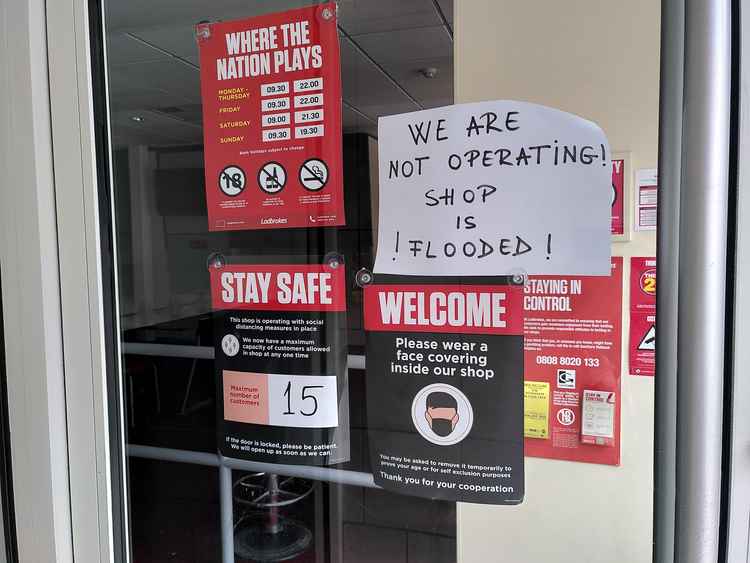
{"points": [[271, 94], [618, 195], [572, 336], [287, 287], [642, 347], [465, 309]]}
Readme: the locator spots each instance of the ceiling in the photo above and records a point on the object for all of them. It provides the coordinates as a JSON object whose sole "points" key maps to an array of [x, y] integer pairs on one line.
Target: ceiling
{"points": [[154, 79]]}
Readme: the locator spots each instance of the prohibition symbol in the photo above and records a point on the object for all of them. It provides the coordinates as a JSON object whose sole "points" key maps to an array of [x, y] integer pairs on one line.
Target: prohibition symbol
{"points": [[232, 180], [313, 174], [271, 177], [648, 342], [566, 417]]}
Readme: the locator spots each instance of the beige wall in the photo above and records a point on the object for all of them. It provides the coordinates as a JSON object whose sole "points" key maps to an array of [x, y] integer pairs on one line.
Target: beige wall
{"points": [[600, 60]]}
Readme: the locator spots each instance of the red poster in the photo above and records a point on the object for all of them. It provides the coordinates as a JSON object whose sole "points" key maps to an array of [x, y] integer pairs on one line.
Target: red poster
{"points": [[642, 345], [618, 194], [572, 333], [271, 92]]}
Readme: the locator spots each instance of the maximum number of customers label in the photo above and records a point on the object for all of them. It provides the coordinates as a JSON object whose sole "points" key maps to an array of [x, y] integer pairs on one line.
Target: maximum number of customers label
{"points": [[295, 401]]}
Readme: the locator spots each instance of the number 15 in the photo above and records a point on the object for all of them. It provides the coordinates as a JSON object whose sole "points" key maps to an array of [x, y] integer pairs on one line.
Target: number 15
{"points": [[304, 396]]}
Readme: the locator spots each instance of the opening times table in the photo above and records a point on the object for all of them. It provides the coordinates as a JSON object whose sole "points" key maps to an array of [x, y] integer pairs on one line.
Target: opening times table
{"points": [[276, 115], [284, 114], [277, 123]]}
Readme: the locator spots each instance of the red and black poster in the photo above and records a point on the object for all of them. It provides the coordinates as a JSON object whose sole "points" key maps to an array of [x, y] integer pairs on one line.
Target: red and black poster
{"points": [[271, 93], [618, 196], [280, 360], [572, 330], [642, 345], [445, 389]]}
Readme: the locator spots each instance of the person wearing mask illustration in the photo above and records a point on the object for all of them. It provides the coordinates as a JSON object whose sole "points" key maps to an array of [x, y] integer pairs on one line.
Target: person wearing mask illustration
{"points": [[441, 413]]}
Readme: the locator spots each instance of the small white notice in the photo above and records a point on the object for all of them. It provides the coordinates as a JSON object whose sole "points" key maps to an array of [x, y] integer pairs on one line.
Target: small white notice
{"points": [[647, 192], [493, 188], [598, 413]]}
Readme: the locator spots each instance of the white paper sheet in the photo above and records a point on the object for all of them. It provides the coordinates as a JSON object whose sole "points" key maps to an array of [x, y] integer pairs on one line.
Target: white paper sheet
{"points": [[493, 188]]}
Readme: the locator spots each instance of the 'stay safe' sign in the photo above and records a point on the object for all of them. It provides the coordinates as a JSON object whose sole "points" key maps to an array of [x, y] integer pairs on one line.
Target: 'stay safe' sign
{"points": [[280, 360], [493, 188], [271, 93]]}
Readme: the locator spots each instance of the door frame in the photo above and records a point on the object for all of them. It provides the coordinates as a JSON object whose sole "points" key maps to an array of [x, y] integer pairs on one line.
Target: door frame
{"points": [[97, 514], [52, 285], [738, 416], [55, 298], [30, 291]]}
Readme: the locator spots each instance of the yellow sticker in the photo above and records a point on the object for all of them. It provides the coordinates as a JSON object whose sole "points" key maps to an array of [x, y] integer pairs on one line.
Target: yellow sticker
{"points": [[536, 409]]}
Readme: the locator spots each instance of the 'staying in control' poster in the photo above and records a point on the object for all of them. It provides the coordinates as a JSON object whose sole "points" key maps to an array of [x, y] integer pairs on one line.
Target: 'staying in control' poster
{"points": [[572, 332]]}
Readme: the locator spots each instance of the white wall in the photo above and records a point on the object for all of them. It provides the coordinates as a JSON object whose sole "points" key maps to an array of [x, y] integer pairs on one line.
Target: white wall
{"points": [[600, 60]]}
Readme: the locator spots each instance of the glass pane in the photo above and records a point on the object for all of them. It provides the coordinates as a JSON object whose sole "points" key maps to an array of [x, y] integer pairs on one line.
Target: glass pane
{"points": [[252, 196], [168, 331]]}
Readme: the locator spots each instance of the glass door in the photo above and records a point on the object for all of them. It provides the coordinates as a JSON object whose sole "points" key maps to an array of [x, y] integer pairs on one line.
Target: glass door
{"points": [[268, 412], [188, 500]]}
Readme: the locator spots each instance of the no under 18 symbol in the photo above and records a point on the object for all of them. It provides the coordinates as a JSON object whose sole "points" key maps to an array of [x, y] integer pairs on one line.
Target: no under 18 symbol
{"points": [[566, 417], [232, 180]]}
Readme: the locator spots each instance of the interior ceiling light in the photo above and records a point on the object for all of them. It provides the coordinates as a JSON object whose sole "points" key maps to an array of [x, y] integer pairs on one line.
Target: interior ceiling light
{"points": [[428, 72]]}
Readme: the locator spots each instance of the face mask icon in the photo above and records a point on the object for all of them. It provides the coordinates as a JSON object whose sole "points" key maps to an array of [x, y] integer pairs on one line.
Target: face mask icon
{"points": [[441, 413], [435, 414]]}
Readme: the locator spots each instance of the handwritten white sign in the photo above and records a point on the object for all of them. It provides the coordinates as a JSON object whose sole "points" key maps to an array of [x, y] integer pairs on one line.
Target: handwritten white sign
{"points": [[493, 188]]}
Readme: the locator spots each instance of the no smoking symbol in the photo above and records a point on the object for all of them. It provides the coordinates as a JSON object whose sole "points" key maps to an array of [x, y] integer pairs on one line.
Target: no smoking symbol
{"points": [[313, 174]]}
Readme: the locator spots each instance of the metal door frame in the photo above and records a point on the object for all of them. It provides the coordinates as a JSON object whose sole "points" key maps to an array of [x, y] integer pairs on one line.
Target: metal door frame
{"points": [[738, 420], [694, 252], [52, 285]]}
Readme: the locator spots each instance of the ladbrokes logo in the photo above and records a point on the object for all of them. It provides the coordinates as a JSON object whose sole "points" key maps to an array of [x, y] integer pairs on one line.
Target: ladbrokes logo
{"points": [[274, 221]]}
